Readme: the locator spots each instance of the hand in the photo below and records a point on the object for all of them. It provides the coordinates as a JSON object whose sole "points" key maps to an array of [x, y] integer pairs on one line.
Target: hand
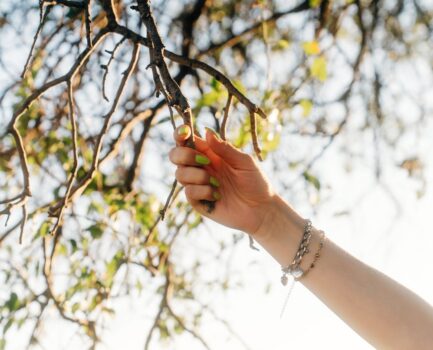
{"points": [[217, 171]]}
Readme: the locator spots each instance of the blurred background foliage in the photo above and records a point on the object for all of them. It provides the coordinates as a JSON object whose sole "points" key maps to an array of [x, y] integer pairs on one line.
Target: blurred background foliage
{"points": [[321, 70]]}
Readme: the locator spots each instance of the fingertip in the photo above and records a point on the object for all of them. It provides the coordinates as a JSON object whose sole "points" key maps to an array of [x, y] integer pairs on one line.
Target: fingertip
{"points": [[182, 133], [211, 134]]}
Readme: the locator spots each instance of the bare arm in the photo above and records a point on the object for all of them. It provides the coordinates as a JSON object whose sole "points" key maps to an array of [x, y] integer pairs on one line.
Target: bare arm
{"points": [[383, 312], [379, 309]]}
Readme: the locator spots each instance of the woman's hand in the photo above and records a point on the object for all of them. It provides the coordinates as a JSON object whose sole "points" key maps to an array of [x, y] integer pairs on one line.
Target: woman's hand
{"points": [[217, 171]]}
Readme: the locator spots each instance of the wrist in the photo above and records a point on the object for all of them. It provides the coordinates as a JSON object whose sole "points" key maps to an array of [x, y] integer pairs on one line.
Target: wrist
{"points": [[280, 231], [278, 215]]}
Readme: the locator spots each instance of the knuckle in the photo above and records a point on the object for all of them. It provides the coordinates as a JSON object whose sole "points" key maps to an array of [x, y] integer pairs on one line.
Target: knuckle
{"points": [[204, 177], [181, 175], [200, 176], [248, 158], [178, 174], [171, 155], [208, 192], [189, 192]]}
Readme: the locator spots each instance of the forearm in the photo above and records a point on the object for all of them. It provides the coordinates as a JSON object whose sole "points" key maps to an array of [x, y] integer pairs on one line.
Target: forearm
{"points": [[383, 312]]}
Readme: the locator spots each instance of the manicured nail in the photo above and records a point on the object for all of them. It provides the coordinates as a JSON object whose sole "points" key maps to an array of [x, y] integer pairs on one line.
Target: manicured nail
{"points": [[214, 181], [183, 130], [216, 195], [213, 132], [202, 160]]}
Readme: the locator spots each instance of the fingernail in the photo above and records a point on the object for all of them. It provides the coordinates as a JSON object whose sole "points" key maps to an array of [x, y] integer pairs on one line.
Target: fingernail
{"points": [[214, 181], [213, 132], [202, 160], [216, 195], [183, 130]]}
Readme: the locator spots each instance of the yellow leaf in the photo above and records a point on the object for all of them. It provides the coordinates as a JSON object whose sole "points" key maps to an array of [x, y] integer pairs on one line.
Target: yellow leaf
{"points": [[318, 68], [315, 3], [311, 47], [282, 44], [307, 106]]}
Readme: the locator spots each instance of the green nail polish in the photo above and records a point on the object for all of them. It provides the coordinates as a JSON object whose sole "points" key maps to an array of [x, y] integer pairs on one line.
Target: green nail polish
{"points": [[202, 160], [183, 130], [213, 132], [216, 195], [214, 181]]}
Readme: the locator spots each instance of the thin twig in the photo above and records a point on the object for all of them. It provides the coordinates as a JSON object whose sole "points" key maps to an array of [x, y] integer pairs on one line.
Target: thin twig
{"points": [[177, 99], [13, 129], [251, 243], [226, 117], [58, 304], [73, 175], [159, 87], [189, 330], [43, 16], [81, 185], [253, 131], [196, 64], [168, 296], [168, 201], [87, 21], [67, 3], [107, 66], [23, 223], [149, 236], [235, 38]]}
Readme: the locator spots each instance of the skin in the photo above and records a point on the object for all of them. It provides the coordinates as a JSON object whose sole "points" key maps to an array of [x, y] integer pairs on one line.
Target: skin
{"points": [[383, 312]]}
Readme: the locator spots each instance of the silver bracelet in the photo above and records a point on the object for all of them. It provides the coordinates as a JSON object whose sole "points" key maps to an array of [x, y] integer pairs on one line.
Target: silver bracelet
{"points": [[294, 268]]}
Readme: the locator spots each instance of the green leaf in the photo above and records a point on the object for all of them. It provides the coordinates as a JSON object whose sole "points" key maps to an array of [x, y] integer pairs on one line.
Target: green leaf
{"points": [[315, 3], [96, 231], [312, 179], [43, 230], [62, 250], [318, 68], [241, 87], [113, 266], [216, 85], [108, 310], [13, 303], [8, 325], [282, 44], [75, 307], [210, 98], [74, 245], [163, 330], [178, 329], [307, 107], [96, 207]]}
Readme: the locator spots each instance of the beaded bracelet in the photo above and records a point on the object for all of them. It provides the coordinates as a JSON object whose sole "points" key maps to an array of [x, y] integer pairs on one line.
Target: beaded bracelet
{"points": [[317, 255]]}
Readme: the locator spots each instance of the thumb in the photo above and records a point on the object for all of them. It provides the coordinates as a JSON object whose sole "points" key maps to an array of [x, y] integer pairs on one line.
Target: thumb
{"points": [[230, 154], [181, 134]]}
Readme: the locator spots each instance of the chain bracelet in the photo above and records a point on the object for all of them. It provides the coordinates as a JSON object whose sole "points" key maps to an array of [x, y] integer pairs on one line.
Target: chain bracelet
{"points": [[297, 272], [294, 268]]}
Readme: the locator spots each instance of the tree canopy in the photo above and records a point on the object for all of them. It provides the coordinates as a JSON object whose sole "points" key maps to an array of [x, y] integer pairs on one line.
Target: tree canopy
{"points": [[92, 90]]}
